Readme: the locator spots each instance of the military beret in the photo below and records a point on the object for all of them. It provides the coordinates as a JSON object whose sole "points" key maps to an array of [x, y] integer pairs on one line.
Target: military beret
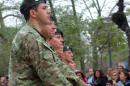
{"points": [[66, 48], [28, 4], [59, 32]]}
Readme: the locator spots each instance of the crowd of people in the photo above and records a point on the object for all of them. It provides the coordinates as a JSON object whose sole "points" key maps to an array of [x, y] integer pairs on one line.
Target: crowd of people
{"points": [[118, 76], [40, 57]]}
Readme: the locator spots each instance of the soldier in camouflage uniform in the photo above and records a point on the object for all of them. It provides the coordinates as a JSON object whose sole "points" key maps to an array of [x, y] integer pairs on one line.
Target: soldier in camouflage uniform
{"points": [[65, 54], [68, 57], [57, 42], [32, 61]]}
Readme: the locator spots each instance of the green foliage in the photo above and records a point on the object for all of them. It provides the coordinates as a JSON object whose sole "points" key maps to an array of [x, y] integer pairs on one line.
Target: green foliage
{"points": [[105, 33], [71, 32], [102, 33], [5, 47]]}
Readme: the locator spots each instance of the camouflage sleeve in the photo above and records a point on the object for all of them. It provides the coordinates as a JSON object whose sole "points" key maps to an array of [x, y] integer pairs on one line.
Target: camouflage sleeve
{"points": [[48, 71], [70, 75]]}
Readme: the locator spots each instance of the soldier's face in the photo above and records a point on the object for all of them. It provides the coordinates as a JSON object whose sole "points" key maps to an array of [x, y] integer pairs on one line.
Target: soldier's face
{"points": [[72, 65], [49, 30], [41, 14], [68, 55], [58, 36], [56, 43]]}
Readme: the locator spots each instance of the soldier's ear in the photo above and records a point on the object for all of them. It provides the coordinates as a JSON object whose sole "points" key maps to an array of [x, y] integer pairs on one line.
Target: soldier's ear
{"points": [[33, 13]]}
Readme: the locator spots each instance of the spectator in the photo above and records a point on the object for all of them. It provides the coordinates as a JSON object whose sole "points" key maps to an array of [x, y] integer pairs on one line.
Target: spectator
{"points": [[4, 81], [90, 76], [114, 77], [109, 83], [129, 74], [81, 76], [123, 76], [120, 68], [99, 78], [109, 71]]}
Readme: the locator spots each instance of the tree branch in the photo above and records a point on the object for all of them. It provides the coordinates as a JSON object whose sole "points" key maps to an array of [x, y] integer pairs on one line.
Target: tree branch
{"points": [[88, 9], [8, 8], [112, 10], [99, 9], [95, 5], [17, 16], [103, 5]]}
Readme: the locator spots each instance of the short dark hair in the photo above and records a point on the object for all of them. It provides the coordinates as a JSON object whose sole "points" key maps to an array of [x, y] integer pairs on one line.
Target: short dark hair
{"points": [[27, 5]]}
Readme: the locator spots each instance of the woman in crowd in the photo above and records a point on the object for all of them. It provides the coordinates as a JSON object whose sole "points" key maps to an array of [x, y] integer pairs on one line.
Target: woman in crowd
{"points": [[81, 76], [124, 79], [114, 77], [99, 78]]}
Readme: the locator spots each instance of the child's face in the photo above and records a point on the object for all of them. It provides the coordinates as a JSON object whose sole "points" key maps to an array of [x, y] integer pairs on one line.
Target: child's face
{"points": [[108, 84]]}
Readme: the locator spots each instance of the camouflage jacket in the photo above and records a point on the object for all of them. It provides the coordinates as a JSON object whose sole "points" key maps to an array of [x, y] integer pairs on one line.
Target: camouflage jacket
{"points": [[34, 63]]}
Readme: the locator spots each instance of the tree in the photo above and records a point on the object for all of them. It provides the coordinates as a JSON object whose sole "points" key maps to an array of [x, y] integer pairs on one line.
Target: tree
{"points": [[53, 11], [6, 35], [98, 29], [119, 18], [80, 53]]}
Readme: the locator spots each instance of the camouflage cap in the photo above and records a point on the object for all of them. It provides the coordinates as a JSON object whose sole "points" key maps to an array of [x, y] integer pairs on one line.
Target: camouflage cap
{"points": [[28, 4], [67, 48]]}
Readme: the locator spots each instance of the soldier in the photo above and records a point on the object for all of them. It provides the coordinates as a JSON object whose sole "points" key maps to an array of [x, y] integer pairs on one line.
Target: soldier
{"points": [[57, 42], [67, 53], [32, 61], [67, 56], [59, 35]]}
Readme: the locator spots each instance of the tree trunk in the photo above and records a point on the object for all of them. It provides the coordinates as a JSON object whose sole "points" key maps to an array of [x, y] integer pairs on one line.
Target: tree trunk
{"points": [[95, 57], [74, 11], [128, 39], [2, 25], [120, 19], [77, 35], [99, 9], [53, 11]]}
